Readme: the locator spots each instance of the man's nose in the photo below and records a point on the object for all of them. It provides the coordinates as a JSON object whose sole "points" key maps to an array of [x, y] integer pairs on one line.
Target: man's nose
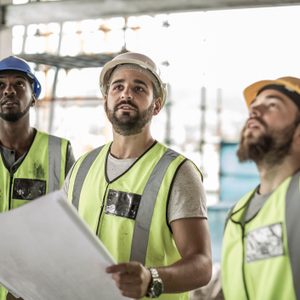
{"points": [[257, 110], [126, 93], [9, 90]]}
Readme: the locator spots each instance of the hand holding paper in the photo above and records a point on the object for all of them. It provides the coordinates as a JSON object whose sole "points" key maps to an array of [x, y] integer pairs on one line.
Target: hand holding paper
{"points": [[48, 253]]}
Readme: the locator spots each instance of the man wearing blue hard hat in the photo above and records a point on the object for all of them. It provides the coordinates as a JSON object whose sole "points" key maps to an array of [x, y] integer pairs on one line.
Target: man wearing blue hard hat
{"points": [[32, 163]]}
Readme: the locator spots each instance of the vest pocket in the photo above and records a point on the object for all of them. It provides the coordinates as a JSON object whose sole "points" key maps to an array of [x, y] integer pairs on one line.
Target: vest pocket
{"points": [[122, 204], [264, 242], [28, 189]]}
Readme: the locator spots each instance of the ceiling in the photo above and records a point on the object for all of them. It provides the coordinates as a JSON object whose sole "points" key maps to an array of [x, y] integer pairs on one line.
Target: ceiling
{"points": [[59, 11], [71, 10]]}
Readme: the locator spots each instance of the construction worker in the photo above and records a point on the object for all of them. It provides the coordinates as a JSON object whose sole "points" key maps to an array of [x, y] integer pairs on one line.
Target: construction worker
{"points": [[32, 163], [144, 201], [261, 247]]}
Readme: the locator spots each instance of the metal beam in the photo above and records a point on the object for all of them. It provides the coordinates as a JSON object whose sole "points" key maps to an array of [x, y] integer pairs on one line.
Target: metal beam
{"points": [[69, 62], [73, 10]]}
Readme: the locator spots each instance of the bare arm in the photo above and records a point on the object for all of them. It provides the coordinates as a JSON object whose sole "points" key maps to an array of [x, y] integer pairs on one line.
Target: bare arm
{"points": [[195, 267], [193, 270]]}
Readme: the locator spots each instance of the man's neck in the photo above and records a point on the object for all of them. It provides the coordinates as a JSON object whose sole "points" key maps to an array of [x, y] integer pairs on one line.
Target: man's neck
{"points": [[16, 137], [272, 176], [131, 146]]}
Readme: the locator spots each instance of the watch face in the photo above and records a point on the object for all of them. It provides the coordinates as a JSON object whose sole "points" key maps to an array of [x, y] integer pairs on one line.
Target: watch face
{"points": [[157, 287]]}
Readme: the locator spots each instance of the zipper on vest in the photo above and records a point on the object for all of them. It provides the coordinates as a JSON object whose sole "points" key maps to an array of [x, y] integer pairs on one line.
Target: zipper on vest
{"points": [[243, 262], [101, 212], [11, 177]]}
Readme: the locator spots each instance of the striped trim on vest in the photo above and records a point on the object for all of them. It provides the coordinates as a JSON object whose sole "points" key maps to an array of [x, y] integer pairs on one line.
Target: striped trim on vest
{"points": [[146, 208], [293, 228], [54, 169], [81, 174]]}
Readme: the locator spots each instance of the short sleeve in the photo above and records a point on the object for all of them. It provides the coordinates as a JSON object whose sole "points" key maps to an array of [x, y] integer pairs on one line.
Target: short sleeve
{"points": [[188, 198]]}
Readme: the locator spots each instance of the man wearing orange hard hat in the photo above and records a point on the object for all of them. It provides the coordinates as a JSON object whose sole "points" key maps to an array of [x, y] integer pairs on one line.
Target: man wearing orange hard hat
{"points": [[261, 245]]}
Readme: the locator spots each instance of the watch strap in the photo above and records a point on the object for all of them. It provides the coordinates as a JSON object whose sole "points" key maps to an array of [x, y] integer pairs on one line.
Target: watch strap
{"points": [[156, 286]]}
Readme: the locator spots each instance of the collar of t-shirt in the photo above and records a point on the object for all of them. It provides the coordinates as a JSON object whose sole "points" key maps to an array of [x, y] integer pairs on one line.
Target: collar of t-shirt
{"points": [[256, 203], [116, 166], [9, 158]]}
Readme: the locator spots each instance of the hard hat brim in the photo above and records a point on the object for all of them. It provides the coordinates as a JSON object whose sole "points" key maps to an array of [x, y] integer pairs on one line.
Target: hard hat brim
{"points": [[37, 86], [251, 91]]}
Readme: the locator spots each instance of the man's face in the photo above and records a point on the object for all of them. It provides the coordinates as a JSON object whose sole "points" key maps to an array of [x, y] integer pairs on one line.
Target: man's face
{"points": [[15, 95], [268, 133], [130, 102]]}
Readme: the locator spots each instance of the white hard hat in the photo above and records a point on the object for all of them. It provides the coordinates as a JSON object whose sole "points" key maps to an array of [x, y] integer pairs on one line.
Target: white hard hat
{"points": [[133, 58]]}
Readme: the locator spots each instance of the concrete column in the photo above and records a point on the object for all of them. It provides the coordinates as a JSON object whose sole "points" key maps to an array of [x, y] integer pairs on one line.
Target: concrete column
{"points": [[5, 41], [5, 31]]}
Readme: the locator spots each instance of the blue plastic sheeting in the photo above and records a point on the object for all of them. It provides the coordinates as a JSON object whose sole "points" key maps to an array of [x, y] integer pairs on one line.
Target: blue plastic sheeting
{"points": [[236, 178], [233, 188], [217, 215]]}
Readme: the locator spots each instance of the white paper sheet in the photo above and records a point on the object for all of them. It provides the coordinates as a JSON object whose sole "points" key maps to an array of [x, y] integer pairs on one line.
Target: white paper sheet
{"points": [[48, 253]]}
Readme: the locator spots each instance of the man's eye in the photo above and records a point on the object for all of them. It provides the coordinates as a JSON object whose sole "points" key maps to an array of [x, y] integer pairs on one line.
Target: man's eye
{"points": [[2, 85], [139, 89], [272, 104], [20, 83], [117, 87]]}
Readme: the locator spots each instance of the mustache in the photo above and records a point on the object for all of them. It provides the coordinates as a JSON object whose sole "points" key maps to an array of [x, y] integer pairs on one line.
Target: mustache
{"points": [[259, 120], [8, 99], [126, 102]]}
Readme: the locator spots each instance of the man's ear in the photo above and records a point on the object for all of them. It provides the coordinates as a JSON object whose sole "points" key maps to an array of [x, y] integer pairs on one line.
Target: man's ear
{"points": [[297, 136], [157, 106], [33, 100], [105, 99]]}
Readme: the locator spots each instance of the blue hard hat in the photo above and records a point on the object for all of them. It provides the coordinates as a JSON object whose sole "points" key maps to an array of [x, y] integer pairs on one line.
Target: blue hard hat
{"points": [[19, 64]]}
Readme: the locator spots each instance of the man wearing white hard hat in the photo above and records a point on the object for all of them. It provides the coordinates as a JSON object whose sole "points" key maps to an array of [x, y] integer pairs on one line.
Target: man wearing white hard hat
{"points": [[261, 245], [32, 163], [144, 201]]}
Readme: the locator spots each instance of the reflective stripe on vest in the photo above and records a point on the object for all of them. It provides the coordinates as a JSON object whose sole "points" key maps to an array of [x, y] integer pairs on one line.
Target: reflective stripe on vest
{"points": [[54, 169], [146, 208], [293, 226], [147, 203], [81, 174]]}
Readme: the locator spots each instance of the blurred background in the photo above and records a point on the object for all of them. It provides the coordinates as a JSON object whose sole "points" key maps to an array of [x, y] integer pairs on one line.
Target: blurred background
{"points": [[207, 51]]}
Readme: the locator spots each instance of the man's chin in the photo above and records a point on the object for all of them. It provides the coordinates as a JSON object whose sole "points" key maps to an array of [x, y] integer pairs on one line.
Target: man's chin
{"points": [[251, 137], [10, 118], [126, 114]]}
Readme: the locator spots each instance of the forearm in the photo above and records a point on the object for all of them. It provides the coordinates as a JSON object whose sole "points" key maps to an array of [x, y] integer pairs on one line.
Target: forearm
{"points": [[187, 274]]}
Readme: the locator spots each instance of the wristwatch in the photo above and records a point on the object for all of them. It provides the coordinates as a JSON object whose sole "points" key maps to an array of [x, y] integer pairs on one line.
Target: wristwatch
{"points": [[156, 286]]}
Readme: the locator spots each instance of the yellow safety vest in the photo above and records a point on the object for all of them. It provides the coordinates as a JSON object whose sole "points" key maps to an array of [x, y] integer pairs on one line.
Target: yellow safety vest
{"points": [[260, 257], [129, 213], [41, 171]]}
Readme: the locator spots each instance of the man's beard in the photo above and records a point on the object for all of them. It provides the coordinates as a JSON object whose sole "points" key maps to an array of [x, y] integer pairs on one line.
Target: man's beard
{"points": [[126, 124], [270, 147], [14, 116]]}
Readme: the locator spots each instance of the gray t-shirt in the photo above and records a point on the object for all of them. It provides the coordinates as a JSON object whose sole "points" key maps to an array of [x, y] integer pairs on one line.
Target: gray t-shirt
{"points": [[255, 205], [187, 199]]}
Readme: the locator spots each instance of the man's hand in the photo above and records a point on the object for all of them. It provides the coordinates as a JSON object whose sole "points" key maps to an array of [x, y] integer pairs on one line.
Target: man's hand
{"points": [[131, 278], [11, 297]]}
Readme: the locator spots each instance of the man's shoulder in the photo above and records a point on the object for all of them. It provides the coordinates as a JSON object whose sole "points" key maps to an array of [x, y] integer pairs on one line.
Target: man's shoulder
{"points": [[52, 136], [93, 153]]}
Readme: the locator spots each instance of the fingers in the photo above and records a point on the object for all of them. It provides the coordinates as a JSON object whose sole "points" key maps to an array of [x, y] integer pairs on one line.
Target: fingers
{"points": [[130, 268], [131, 278]]}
